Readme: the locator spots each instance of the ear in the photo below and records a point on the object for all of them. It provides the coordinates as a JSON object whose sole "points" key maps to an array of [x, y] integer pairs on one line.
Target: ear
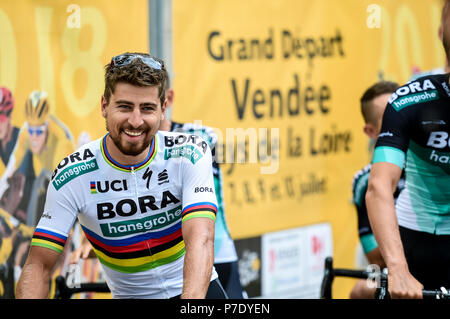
{"points": [[370, 131], [104, 105], [170, 93], [163, 109]]}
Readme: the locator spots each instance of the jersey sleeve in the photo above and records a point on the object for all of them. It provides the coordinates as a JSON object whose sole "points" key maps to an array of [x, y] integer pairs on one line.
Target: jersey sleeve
{"points": [[365, 233], [393, 140], [56, 220], [199, 197]]}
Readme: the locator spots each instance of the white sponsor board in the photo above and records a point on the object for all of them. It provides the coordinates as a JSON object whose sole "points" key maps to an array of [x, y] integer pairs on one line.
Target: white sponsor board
{"points": [[293, 261]]}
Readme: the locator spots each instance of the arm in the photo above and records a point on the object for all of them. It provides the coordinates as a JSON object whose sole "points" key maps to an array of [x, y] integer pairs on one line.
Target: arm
{"points": [[36, 273], [381, 209], [198, 224], [198, 235]]}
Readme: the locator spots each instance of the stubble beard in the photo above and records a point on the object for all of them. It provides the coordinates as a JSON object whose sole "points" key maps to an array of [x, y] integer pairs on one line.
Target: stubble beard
{"points": [[126, 148]]}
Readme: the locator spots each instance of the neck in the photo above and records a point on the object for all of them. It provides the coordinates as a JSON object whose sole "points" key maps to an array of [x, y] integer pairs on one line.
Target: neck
{"points": [[127, 160]]}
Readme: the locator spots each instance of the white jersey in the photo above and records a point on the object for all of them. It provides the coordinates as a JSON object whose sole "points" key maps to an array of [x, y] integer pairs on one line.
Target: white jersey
{"points": [[132, 215]]}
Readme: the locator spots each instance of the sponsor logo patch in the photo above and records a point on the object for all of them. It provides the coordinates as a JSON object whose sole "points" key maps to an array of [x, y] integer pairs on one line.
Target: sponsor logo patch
{"points": [[141, 225], [71, 172], [190, 152], [415, 99]]}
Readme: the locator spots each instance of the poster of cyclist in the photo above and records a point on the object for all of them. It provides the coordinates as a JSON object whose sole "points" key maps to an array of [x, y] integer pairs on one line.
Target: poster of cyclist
{"points": [[51, 75]]}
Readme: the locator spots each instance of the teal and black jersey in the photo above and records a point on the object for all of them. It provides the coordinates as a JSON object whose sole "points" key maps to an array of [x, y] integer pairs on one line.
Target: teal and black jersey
{"points": [[359, 189], [415, 136]]}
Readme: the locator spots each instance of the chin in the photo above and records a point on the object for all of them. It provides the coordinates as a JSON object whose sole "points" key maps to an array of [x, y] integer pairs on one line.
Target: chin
{"points": [[133, 150]]}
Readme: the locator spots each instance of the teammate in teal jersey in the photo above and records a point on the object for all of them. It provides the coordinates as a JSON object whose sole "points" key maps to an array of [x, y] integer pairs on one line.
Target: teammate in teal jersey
{"points": [[139, 195], [373, 103], [414, 235], [225, 256]]}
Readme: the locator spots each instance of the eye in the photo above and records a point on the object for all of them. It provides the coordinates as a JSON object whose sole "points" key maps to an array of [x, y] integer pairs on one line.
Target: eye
{"points": [[124, 106], [148, 108]]}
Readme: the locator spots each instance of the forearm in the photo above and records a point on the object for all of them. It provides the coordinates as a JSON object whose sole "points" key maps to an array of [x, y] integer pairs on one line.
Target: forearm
{"points": [[33, 282], [383, 219], [198, 264]]}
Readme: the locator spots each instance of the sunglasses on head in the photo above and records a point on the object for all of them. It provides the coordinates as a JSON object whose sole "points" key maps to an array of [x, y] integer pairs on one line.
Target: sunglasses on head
{"points": [[127, 58], [38, 130]]}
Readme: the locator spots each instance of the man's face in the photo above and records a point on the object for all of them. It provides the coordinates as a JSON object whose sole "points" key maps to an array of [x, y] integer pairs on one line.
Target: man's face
{"points": [[133, 115], [38, 138]]}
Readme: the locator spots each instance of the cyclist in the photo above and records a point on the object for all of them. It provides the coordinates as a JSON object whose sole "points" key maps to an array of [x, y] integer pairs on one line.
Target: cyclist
{"points": [[225, 256], [144, 198], [415, 132], [42, 142], [373, 103]]}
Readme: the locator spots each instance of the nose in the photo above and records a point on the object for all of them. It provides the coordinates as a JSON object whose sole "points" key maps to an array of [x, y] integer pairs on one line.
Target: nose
{"points": [[135, 118]]}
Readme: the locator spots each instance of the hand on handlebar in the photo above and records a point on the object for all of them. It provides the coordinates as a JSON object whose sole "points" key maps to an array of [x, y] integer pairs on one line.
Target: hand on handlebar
{"points": [[402, 285]]}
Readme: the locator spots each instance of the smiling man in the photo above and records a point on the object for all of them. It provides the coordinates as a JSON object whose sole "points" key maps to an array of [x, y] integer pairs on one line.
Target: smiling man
{"points": [[134, 192]]}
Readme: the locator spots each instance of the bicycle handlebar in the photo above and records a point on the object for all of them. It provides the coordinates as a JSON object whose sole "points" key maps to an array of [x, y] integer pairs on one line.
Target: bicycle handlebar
{"points": [[382, 291], [63, 291]]}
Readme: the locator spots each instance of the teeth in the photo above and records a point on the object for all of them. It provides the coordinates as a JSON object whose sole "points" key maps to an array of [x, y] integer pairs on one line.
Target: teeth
{"points": [[133, 133]]}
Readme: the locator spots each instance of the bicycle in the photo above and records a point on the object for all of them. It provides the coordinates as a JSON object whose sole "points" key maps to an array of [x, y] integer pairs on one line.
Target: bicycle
{"points": [[62, 291], [380, 277]]}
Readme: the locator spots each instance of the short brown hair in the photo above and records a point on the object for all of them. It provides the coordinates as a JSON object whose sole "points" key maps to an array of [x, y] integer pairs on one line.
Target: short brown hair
{"points": [[136, 73], [379, 88]]}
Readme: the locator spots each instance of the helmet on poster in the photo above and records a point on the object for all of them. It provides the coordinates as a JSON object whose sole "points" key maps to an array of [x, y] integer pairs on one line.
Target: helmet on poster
{"points": [[6, 103], [37, 108]]}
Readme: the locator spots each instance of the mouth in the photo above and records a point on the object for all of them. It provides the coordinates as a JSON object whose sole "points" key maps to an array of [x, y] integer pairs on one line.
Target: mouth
{"points": [[133, 133]]}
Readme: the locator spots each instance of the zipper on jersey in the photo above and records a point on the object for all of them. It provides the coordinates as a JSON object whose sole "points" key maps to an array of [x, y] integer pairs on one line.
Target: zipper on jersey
{"points": [[133, 173]]}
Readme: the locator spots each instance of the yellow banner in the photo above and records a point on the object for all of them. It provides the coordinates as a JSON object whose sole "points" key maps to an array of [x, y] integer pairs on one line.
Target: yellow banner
{"points": [[60, 47], [281, 81]]}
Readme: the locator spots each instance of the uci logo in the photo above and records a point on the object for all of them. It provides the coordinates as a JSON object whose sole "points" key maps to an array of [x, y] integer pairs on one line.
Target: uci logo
{"points": [[106, 186]]}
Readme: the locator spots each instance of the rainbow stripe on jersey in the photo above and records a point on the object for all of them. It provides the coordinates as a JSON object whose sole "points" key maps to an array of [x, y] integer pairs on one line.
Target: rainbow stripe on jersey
{"points": [[141, 252], [203, 209], [127, 168], [147, 250], [48, 239]]}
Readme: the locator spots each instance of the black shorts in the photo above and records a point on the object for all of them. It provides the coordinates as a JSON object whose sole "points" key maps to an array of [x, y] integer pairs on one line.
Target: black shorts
{"points": [[428, 257], [229, 277], [215, 291]]}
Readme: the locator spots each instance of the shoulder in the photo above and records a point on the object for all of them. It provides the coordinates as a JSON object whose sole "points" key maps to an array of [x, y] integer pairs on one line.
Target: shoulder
{"points": [[80, 162], [421, 90], [182, 145], [205, 132], [181, 139]]}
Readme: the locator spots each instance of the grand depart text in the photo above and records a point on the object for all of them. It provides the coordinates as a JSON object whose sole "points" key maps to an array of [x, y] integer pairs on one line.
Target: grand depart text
{"points": [[286, 44]]}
